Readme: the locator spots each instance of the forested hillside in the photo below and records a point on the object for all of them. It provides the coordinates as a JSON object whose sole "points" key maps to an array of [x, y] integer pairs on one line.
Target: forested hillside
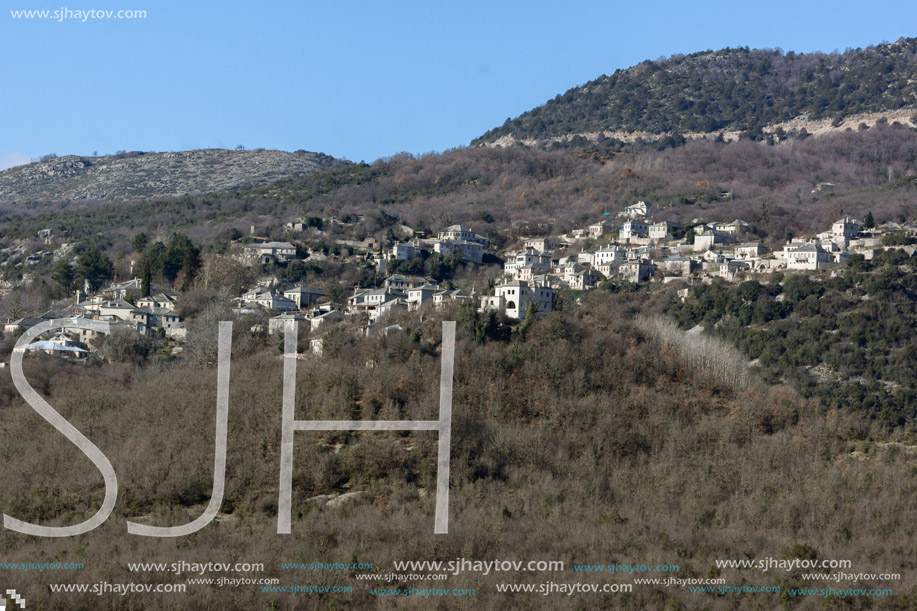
{"points": [[583, 439], [731, 89], [849, 340]]}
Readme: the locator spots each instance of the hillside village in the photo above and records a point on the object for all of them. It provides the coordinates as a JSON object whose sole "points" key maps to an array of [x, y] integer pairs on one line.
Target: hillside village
{"points": [[672, 310], [633, 246]]}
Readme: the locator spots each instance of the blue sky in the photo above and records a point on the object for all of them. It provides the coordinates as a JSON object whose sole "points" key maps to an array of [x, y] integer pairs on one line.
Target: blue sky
{"points": [[358, 80]]}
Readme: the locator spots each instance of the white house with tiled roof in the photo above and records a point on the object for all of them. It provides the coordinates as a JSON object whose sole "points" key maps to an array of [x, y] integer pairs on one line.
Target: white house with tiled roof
{"points": [[750, 250], [420, 295], [158, 300], [304, 296], [404, 251], [810, 256], [599, 229], [460, 232], [609, 255], [266, 252], [519, 294], [845, 229], [269, 300], [639, 210], [634, 228], [732, 228], [443, 298], [663, 230]]}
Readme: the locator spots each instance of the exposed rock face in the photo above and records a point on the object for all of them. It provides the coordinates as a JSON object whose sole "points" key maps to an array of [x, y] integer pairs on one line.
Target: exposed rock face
{"points": [[132, 176]]}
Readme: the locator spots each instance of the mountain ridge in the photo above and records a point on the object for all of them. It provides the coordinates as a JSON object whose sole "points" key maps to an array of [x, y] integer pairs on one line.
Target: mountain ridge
{"points": [[139, 175], [733, 91]]}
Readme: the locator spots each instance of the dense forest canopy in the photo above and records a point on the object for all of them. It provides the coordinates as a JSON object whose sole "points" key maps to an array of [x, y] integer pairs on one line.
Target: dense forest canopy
{"points": [[732, 89]]}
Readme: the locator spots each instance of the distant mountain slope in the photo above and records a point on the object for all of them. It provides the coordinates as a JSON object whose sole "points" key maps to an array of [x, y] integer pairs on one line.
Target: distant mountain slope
{"points": [[131, 176], [733, 90]]}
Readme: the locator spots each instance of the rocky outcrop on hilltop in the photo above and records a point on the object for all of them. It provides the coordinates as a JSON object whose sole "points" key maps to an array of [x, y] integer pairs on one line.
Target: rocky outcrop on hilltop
{"points": [[132, 176]]}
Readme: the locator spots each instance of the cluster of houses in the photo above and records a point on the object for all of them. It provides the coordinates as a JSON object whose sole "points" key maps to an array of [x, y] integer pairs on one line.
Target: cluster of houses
{"points": [[120, 304], [513, 297], [455, 240], [631, 248], [638, 249]]}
